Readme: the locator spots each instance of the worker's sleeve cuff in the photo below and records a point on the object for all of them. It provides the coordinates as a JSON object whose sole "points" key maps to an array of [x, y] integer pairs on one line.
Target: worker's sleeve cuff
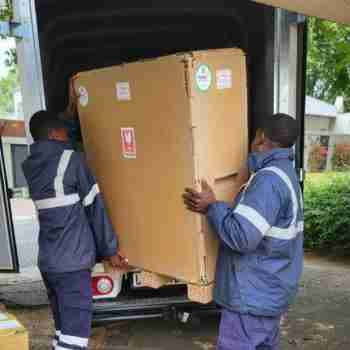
{"points": [[217, 210], [110, 252]]}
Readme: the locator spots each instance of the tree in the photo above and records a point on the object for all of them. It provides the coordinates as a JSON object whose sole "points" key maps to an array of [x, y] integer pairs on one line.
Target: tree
{"points": [[328, 64], [11, 59], [10, 82], [8, 85]]}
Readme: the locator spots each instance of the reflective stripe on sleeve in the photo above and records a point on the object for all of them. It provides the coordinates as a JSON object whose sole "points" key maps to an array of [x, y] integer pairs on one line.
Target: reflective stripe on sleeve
{"points": [[61, 170], [285, 178], [253, 217], [89, 199], [286, 233]]}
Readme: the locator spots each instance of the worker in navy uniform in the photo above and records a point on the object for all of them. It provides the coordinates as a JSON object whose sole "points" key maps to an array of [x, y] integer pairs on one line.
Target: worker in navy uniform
{"points": [[75, 230], [261, 241], [70, 117]]}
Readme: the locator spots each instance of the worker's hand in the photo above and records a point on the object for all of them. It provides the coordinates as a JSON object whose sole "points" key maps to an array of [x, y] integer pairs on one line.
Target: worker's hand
{"points": [[199, 202], [242, 176], [118, 261], [258, 141]]}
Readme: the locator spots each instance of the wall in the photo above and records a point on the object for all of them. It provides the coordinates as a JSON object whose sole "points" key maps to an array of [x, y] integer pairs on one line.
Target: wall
{"points": [[319, 124], [314, 138], [315, 128]]}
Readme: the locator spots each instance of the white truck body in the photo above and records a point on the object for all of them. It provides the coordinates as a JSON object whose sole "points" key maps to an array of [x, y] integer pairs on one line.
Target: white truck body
{"points": [[281, 76]]}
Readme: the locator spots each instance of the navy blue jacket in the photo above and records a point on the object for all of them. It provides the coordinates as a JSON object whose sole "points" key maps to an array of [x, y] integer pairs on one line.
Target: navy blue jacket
{"points": [[75, 230], [261, 253]]}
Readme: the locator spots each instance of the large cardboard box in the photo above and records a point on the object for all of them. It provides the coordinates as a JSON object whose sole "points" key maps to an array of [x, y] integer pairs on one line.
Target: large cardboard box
{"points": [[13, 336], [154, 127]]}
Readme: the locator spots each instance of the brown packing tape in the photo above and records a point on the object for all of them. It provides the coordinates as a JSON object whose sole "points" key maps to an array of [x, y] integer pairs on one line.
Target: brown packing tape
{"points": [[200, 294], [152, 280]]}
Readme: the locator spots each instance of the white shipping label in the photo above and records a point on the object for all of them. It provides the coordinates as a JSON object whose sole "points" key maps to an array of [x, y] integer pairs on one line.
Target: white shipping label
{"points": [[123, 91], [83, 96], [223, 79]]}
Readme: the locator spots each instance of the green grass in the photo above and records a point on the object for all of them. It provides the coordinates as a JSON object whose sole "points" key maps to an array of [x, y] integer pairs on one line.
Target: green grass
{"points": [[325, 178]]}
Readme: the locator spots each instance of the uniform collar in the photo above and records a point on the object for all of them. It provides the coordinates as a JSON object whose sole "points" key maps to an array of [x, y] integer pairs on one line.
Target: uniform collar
{"points": [[49, 147], [258, 161]]}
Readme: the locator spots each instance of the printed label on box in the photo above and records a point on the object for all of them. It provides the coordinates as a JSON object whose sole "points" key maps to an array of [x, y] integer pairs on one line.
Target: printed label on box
{"points": [[223, 79], [128, 143], [83, 96], [123, 91], [203, 77]]}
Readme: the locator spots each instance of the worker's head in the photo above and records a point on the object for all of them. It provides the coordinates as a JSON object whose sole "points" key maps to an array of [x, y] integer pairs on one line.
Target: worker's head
{"points": [[280, 131], [45, 125]]}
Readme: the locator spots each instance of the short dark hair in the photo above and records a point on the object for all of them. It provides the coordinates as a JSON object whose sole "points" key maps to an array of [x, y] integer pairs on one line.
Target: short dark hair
{"points": [[282, 129], [42, 122]]}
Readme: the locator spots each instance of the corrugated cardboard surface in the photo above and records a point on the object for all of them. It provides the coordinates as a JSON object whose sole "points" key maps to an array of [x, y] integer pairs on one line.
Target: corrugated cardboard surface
{"points": [[180, 138], [13, 338], [219, 117], [335, 10]]}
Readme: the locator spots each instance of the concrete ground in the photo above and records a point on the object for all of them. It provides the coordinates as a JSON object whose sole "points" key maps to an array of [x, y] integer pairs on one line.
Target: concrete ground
{"points": [[319, 320]]}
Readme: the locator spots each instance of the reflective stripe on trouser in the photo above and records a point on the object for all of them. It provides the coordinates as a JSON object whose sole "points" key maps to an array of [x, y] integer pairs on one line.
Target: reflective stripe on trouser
{"points": [[55, 339], [70, 297], [247, 332]]}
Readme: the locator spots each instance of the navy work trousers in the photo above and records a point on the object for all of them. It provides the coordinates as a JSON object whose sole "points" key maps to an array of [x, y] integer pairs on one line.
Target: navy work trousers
{"points": [[248, 332], [70, 296]]}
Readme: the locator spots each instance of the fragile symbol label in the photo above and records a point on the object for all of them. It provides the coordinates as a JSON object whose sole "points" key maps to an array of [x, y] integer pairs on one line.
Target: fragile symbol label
{"points": [[128, 143]]}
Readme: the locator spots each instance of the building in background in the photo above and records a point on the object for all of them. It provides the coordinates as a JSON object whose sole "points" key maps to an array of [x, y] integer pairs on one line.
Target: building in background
{"points": [[320, 124], [326, 128]]}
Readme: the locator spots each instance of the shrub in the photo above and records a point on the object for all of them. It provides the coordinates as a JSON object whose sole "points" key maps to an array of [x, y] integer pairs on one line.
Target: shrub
{"points": [[327, 208], [341, 157]]}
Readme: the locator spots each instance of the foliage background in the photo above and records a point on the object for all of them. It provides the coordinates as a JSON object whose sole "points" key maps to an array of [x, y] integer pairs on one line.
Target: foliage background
{"points": [[328, 62], [10, 82], [327, 208]]}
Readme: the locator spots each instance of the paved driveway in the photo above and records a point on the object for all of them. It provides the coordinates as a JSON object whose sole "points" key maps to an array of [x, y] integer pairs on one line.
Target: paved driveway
{"points": [[319, 320]]}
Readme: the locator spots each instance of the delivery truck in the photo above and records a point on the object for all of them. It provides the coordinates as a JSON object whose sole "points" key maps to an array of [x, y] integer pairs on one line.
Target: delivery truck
{"points": [[58, 39]]}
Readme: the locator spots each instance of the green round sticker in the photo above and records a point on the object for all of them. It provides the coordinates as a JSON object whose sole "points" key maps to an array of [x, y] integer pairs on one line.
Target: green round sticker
{"points": [[203, 77]]}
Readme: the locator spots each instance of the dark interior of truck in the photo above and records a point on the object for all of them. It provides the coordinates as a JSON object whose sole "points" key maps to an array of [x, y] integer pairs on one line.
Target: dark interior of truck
{"points": [[76, 37], [79, 35]]}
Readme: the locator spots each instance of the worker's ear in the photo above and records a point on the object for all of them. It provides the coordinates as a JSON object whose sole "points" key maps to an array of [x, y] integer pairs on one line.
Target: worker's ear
{"points": [[260, 135], [58, 135], [258, 141], [51, 134]]}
